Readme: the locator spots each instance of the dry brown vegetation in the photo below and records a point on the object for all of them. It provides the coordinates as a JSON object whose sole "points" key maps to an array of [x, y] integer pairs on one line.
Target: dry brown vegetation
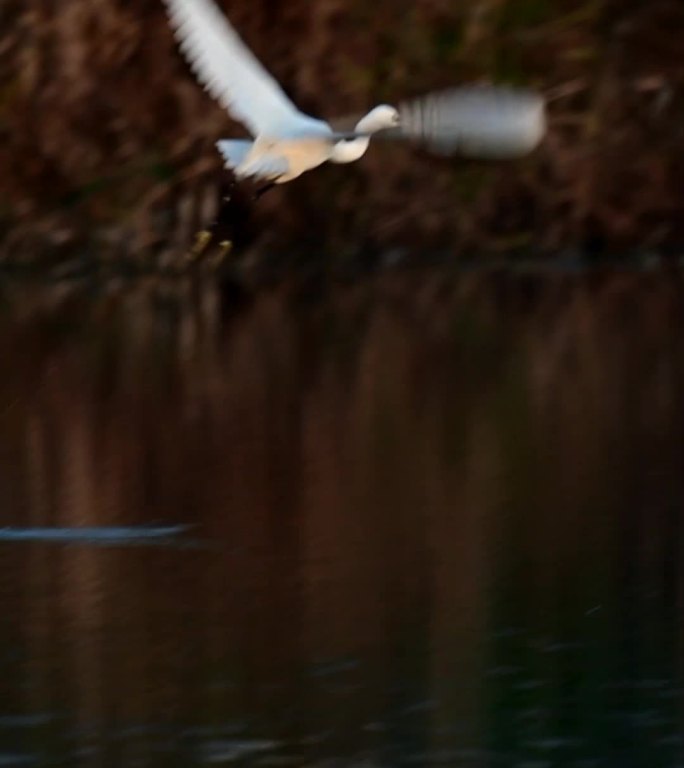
{"points": [[106, 140]]}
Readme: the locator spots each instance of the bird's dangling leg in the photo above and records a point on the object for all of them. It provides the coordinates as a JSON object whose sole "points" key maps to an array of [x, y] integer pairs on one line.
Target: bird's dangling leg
{"points": [[221, 229]]}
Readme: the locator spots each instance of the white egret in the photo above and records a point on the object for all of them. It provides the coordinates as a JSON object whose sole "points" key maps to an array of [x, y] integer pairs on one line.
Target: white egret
{"points": [[286, 143]]}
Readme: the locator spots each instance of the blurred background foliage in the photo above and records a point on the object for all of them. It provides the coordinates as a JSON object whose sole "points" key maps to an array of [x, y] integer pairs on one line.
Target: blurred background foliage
{"points": [[106, 141]]}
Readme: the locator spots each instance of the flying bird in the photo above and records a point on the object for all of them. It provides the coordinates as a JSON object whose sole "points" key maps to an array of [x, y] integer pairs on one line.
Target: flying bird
{"points": [[477, 121]]}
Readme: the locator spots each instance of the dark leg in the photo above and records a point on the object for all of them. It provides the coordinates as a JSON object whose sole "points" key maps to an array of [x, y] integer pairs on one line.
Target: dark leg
{"points": [[232, 225]]}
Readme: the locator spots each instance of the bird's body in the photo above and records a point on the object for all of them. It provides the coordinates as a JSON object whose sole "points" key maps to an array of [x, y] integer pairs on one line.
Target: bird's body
{"points": [[281, 158], [286, 142]]}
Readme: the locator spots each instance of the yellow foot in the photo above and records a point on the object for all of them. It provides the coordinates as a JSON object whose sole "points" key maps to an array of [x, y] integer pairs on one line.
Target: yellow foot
{"points": [[225, 247], [202, 240]]}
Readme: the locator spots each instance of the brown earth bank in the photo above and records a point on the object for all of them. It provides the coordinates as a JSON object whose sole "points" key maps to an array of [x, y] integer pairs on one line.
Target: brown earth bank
{"points": [[106, 141]]}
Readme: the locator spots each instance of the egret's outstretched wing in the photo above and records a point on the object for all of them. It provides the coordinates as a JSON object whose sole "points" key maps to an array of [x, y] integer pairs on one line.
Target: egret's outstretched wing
{"points": [[478, 121], [228, 70], [268, 167], [234, 151]]}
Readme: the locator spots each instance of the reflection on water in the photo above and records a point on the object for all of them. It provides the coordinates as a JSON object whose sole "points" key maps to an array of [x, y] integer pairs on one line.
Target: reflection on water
{"points": [[101, 534], [438, 521]]}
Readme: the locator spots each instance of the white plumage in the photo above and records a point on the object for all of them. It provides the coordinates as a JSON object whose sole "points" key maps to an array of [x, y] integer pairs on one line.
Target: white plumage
{"points": [[286, 142], [228, 69]]}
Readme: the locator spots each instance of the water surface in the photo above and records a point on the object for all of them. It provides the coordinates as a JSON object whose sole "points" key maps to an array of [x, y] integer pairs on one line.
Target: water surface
{"points": [[432, 520]]}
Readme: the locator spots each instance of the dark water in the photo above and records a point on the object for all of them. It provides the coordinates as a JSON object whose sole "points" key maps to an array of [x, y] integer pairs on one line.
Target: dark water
{"points": [[431, 521]]}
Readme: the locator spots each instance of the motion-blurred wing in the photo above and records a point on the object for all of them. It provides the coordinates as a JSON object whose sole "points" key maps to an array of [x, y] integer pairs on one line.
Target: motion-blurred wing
{"points": [[268, 167], [476, 121], [227, 68]]}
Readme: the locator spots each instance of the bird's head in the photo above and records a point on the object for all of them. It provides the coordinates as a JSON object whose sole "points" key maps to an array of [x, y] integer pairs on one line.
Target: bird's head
{"points": [[381, 118]]}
